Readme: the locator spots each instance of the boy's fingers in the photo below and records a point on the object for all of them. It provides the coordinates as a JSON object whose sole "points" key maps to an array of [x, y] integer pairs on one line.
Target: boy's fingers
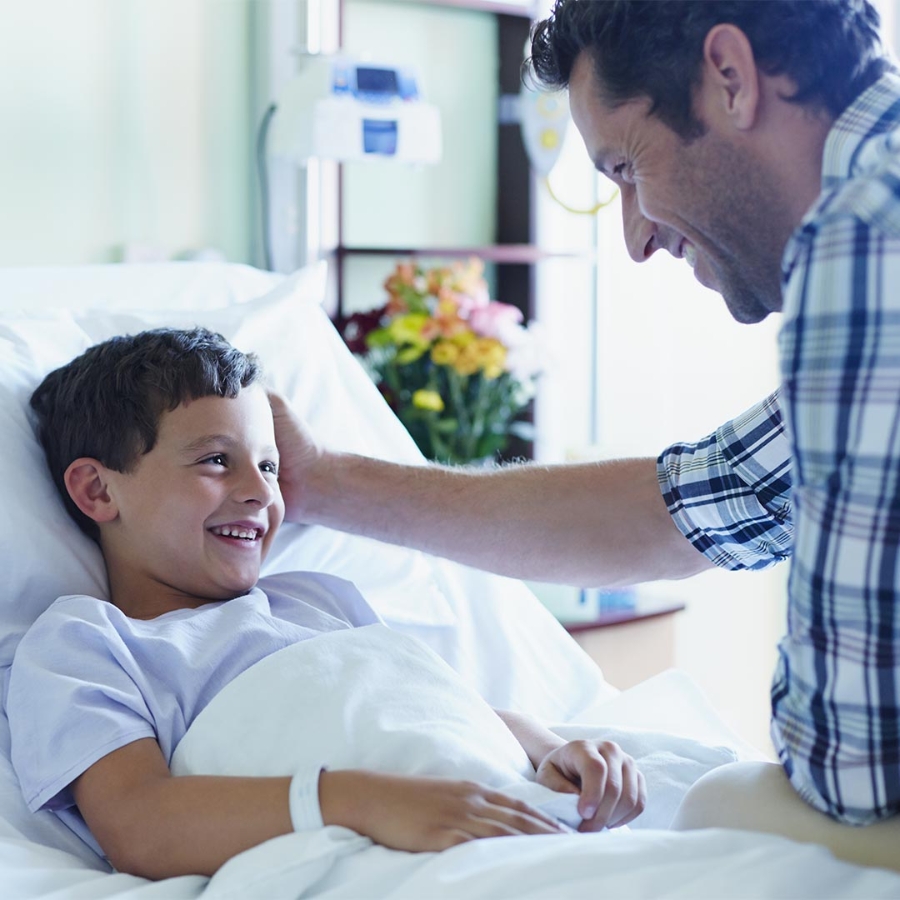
{"points": [[633, 799], [595, 777], [523, 817], [551, 777]]}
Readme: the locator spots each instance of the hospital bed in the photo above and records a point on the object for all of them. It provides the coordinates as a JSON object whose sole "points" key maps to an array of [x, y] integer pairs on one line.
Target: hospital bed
{"points": [[492, 631]]}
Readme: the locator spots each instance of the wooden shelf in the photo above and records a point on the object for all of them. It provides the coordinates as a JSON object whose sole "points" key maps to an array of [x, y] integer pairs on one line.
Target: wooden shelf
{"points": [[524, 254], [631, 646], [646, 609], [524, 10]]}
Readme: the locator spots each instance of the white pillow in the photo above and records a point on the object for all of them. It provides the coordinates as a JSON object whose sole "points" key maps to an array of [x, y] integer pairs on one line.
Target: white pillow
{"points": [[490, 629], [44, 553]]}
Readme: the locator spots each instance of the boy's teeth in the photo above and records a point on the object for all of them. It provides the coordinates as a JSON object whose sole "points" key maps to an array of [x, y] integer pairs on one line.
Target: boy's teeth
{"points": [[227, 531], [690, 254]]}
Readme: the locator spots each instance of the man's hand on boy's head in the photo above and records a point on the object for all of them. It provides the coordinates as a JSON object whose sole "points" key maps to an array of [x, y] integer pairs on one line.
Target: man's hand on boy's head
{"points": [[297, 451], [612, 790]]}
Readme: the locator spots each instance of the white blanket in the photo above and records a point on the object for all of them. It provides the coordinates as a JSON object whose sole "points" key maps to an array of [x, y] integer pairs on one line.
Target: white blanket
{"points": [[372, 698], [367, 698]]}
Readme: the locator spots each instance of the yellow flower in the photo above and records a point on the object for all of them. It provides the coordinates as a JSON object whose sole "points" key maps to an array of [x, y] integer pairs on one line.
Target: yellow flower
{"points": [[417, 329], [444, 353], [491, 353], [464, 338], [423, 399], [479, 354], [468, 362]]}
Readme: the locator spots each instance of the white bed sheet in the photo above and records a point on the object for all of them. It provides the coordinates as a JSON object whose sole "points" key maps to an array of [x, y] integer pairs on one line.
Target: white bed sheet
{"points": [[491, 630], [386, 703]]}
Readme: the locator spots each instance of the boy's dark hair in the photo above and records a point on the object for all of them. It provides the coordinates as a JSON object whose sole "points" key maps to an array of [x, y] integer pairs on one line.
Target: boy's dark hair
{"points": [[653, 48], [107, 403]]}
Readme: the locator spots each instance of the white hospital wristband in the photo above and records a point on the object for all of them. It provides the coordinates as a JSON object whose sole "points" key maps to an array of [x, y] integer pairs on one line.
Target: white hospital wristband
{"points": [[303, 796]]}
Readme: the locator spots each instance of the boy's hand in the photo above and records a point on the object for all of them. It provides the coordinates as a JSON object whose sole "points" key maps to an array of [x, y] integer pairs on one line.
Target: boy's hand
{"points": [[424, 814], [611, 787], [297, 451]]}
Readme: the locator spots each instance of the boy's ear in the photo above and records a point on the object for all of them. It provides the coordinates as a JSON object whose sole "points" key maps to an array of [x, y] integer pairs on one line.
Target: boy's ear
{"points": [[86, 482]]}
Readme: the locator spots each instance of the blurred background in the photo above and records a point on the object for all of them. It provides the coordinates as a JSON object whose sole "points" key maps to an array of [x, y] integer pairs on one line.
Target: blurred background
{"points": [[135, 130]]}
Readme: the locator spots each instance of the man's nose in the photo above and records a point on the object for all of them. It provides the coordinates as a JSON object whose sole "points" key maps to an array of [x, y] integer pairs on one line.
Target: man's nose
{"points": [[640, 233]]}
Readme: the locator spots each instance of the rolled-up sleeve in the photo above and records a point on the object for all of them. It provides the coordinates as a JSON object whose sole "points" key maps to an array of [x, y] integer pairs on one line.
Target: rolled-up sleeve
{"points": [[730, 493]]}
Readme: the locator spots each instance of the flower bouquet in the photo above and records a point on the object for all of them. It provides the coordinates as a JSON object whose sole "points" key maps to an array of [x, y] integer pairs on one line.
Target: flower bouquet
{"points": [[455, 366]]}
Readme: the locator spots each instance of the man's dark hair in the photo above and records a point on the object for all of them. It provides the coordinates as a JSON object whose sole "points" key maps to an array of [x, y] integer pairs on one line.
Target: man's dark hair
{"points": [[654, 48], [107, 403]]}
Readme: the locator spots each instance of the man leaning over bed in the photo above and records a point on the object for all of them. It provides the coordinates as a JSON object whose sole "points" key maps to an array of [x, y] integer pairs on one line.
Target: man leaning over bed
{"points": [[759, 140]]}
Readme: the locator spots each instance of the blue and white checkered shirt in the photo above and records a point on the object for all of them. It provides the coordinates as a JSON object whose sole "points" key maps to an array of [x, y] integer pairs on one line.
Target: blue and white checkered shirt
{"points": [[813, 472]]}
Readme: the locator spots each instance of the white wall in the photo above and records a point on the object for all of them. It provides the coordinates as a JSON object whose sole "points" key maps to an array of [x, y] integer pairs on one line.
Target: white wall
{"points": [[123, 122], [672, 365], [890, 23]]}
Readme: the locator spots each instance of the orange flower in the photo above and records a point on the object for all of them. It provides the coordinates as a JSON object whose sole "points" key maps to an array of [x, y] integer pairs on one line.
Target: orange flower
{"points": [[404, 275], [396, 305]]}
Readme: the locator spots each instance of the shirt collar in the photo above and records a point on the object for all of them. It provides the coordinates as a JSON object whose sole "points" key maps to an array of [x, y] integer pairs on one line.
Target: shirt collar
{"points": [[875, 111]]}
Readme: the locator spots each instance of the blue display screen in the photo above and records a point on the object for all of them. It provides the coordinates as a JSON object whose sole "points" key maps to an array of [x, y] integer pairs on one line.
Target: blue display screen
{"points": [[380, 136], [376, 81]]}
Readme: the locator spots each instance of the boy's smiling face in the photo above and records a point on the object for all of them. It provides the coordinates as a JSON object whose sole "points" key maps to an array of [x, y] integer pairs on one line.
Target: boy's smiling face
{"points": [[196, 516]]}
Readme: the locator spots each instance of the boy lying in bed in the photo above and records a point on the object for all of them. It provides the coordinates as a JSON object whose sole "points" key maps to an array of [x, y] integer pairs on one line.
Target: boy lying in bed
{"points": [[162, 446]]}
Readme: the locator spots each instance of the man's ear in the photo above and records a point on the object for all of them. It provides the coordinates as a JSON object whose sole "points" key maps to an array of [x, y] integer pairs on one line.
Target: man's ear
{"points": [[730, 77], [87, 484]]}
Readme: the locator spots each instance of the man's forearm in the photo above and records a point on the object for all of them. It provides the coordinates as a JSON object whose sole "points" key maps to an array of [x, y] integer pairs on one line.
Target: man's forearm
{"points": [[588, 524]]}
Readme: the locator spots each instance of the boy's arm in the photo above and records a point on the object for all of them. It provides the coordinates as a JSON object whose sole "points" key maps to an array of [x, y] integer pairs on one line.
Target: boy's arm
{"points": [[153, 824], [536, 739], [611, 789]]}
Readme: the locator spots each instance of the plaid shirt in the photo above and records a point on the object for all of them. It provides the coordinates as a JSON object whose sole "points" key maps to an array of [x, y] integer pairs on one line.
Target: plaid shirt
{"points": [[813, 472]]}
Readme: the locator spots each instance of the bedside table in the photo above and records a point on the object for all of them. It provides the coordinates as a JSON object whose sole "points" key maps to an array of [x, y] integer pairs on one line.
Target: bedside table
{"points": [[630, 645]]}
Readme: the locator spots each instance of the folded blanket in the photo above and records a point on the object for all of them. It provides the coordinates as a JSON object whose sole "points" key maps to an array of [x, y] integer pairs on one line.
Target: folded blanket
{"points": [[374, 699], [362, 698]]}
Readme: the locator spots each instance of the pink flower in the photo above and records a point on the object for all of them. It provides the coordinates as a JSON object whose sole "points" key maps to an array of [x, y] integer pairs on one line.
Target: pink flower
{"points": [[495, 320], [475, 298]]}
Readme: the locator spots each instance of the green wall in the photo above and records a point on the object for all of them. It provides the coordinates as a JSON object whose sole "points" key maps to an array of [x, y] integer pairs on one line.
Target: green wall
{"points": [[124, 122], [451, 203], [128, 124]]}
